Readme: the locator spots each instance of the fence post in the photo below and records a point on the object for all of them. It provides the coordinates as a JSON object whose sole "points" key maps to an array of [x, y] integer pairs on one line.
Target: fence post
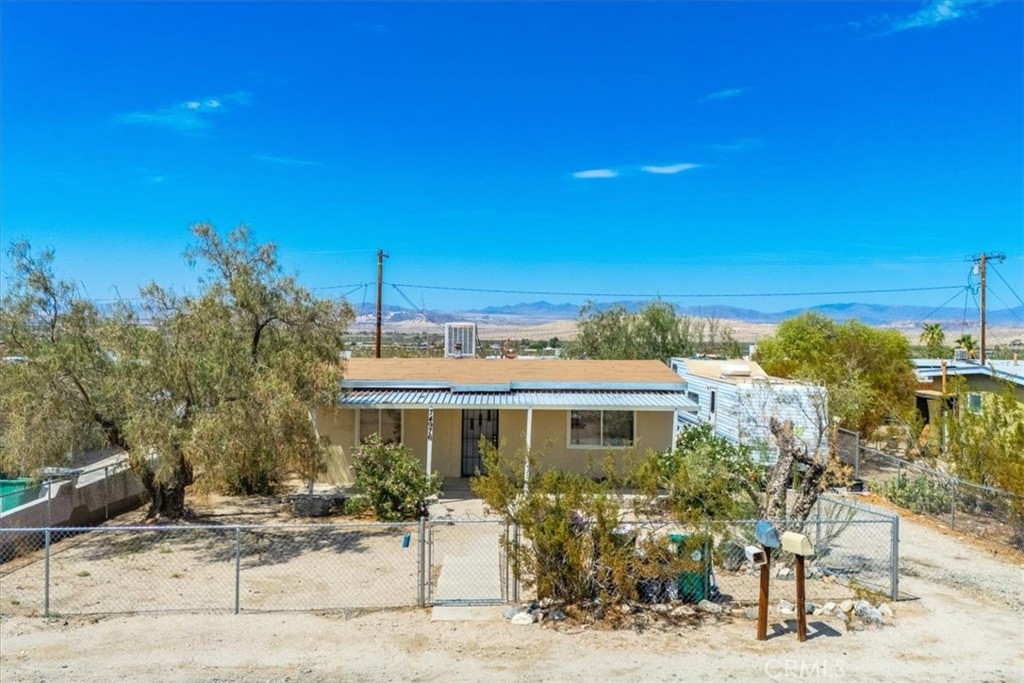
{"points": [[856, 455], [895, 570], [817, 529], [515, 563], [46, 575], [952, 504], [106, 492], [421, 541], [238, 566]]}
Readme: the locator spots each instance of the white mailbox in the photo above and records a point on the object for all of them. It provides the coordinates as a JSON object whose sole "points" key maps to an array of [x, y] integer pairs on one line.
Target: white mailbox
{"points": [[798, 544], [755, 555]]}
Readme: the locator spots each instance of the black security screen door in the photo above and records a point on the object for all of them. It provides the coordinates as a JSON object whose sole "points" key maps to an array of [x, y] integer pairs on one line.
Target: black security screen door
{"points": [[477, 423]]}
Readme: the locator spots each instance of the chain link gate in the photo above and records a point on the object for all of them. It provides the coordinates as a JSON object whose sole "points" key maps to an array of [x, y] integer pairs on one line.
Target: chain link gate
{"points": [[467, 563]]}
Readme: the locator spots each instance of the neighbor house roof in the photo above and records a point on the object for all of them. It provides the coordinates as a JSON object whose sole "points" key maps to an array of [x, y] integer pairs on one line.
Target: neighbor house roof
{"points": [[931, 368], [545, 384], [736, 371]]}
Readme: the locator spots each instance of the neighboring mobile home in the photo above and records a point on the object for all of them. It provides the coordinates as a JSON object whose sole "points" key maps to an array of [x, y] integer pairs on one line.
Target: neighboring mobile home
{"points": [[569, 412], [737, 397]]}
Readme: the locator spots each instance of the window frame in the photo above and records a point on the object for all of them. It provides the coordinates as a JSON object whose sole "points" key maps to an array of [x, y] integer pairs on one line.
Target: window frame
{"points": [[380, 412], [589, 447]]}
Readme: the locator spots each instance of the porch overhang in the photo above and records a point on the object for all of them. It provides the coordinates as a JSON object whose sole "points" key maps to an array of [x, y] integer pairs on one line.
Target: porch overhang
{"points": [[406, 398]]}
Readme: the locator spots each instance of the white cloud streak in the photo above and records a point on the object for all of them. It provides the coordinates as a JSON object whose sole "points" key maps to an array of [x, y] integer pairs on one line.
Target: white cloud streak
{"points": [[596, 173], [671, 169], [933, 14], [724, 94], [284, 161], [190, 117]]}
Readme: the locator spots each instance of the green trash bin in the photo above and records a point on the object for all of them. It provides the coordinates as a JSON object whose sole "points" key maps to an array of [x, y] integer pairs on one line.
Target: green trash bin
{"points": [[694, 579]]}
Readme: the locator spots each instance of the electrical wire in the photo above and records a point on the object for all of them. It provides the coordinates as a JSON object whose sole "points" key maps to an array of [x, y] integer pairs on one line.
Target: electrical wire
{"points": [[1007, 285], [639, 295]]}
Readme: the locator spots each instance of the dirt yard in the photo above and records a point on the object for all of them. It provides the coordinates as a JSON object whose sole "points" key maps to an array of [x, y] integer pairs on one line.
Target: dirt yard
{"points": [[963, 622]]}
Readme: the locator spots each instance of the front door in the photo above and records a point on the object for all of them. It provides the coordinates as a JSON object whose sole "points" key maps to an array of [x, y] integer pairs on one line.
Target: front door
{"points": [[477, 423]]}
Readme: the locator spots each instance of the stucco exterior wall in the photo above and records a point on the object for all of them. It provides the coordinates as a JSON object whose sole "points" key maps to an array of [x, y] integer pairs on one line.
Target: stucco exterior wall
{"points": [[550, 439]]}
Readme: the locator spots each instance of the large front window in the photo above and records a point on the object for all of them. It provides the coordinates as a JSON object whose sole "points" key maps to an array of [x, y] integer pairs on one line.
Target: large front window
{"points": [[601, 428], [386, 422]]}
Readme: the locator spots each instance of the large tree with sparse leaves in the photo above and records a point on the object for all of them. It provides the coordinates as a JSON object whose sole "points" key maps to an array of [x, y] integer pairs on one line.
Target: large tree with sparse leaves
{"points": [[217, 388]]}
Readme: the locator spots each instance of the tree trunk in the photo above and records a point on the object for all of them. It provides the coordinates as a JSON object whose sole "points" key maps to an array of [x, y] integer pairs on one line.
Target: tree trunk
{"points": [[167, 498], [778, 484]]}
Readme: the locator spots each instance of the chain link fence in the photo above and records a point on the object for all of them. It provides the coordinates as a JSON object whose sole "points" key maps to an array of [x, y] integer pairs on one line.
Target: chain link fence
{"points": [[209, 568], [983, 511], [364, 565]]}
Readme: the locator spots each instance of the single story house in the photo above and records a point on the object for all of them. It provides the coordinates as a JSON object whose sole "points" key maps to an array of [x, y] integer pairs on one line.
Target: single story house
{"points": [[737, 397], [936, 393], [568, 412]]}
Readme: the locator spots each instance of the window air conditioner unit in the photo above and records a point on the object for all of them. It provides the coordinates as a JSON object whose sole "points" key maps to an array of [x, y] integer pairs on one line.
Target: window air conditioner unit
{"points": [[459, 340]]}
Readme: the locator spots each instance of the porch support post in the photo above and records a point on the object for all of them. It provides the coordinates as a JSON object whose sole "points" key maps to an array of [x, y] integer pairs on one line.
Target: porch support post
{"points": [[430, 438], [675, 429]]}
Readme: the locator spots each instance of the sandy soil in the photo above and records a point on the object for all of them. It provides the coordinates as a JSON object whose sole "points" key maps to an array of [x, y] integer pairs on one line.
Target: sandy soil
{"points": [[964, 623]]}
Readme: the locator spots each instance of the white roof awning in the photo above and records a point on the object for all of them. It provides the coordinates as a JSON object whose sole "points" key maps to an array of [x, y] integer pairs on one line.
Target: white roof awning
{"points": [[543, 400]]}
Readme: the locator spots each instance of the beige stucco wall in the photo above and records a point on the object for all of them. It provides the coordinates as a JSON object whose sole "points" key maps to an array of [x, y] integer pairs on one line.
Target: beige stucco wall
{"points": [[549, 441]]}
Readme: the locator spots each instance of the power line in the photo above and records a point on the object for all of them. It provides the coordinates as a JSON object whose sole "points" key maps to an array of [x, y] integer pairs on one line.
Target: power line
{"points": [[1007, 285], [638, 295], [940, 306]]}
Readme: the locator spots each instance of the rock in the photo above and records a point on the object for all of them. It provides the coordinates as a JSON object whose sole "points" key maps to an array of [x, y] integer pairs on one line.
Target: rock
{"points": [[783, 573], [661, 608], [786, 607], [625, 609], [846, 605], [306, 505], [708, 607], [857, 626], [522, 619], [867, 613], [556, 615], [828, 607], [510, 612], [885, 610], [683, 611], [733, 555], [839, 614], [751, 613], [809, 607]]}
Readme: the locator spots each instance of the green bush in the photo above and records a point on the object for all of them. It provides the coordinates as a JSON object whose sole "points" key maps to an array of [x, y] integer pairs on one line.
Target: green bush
{"points": [[920, 494], [356, 505], [393, 479]]}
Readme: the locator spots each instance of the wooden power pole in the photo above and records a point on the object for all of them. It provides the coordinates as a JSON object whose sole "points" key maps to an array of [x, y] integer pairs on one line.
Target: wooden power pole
{"points": [[982, 262], [380, 292]]}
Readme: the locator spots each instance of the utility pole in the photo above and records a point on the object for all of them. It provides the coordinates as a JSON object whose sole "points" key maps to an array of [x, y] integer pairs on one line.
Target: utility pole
{"points": [[982, 262], [380, 287]]}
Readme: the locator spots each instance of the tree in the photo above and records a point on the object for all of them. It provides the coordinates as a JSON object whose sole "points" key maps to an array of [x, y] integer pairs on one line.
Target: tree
{"points": [[57, 395], [866, 371], [933, 337], [968, 344], [655, 332], [216, 389]]}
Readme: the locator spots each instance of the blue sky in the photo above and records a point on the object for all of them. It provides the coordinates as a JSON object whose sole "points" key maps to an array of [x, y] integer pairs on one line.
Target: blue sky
{"points": [[672, 148]]}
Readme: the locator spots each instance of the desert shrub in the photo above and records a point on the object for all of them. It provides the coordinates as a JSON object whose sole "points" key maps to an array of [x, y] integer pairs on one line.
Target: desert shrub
{"points": [[920, 494], [356, 505], [703, 477], [574, 545], [393, 479]]}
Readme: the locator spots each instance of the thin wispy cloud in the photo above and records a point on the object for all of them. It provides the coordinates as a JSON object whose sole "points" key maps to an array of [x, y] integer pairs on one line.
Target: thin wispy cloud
{"points": [[671, 169], [190, 116], [596, 173], [728, 94], [931, 15], [284, 161], [737, 145]]}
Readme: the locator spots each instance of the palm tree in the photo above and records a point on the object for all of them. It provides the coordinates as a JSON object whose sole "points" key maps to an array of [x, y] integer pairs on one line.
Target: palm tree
{"points": [[933, 337], [967, 343]]}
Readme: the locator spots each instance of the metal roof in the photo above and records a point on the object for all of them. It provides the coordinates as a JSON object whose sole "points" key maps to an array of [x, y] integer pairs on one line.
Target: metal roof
{"points": [[544, 400]]}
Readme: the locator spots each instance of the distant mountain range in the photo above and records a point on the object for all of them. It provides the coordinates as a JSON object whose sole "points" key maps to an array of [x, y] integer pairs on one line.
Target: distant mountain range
{"points": [[871, 314]]}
